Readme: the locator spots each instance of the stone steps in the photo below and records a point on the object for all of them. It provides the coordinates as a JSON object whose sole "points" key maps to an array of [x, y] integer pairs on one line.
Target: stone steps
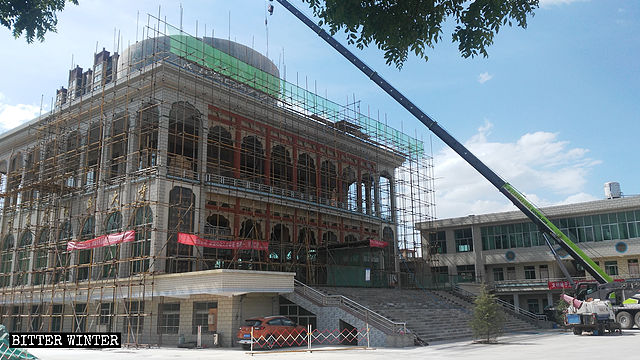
{"points": [[431, 315]]}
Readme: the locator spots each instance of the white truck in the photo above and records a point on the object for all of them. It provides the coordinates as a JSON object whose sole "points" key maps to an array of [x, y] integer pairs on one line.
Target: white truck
{"points": [[592, 315]]}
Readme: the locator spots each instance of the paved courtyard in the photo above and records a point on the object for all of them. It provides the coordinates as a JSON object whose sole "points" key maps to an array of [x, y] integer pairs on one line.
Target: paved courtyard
{"points": [[520, 346]]}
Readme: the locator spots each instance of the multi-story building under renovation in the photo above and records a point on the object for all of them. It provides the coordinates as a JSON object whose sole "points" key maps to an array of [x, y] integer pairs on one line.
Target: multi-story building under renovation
{"points": [[183, 183]]}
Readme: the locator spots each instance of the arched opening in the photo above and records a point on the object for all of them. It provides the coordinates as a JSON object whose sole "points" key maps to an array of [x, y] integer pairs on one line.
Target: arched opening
{"points": [[279, 245], [147, 123], [349, 189], [141, 247], [31, 164], [93, 153], [40, 261], [111, 253], [385, 196], [217, 228], [328, 181], [181, 218], [350, 238], [182, 149], [15, 178], [71, 159], [87, 232], [387, 234], [281, 168], [117, 145], [252, 160], [306, 174], [23, 256], [7, 260], [219, 152], [250, 230], [60, 253], [368, 194], [329, 238]]}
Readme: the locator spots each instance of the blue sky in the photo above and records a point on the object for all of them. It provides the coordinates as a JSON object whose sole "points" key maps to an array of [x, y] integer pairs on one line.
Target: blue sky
{"points": [[554, 109]]}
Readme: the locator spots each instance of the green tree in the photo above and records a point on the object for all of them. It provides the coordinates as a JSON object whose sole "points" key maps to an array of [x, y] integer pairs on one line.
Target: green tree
{"points": [[488, 318], [34, 17], [561, 308], [398, 27]]}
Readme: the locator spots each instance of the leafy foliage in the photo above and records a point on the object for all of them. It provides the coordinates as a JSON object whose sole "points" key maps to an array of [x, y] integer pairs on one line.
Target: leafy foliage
{"points": [[400, 26], [488, 319], [560, 309], [34, 17]]}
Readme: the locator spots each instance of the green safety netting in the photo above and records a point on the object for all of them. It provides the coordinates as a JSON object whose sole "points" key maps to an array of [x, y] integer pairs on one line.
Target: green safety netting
{"points": [[194, 49], [7, 353]]}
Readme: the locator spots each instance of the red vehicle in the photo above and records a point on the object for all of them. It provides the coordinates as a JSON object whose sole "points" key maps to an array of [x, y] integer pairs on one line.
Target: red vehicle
{"points": [[271, 331]]}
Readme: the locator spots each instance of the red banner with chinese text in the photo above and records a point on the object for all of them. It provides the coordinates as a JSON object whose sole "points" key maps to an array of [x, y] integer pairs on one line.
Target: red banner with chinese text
{"points": [[377, 243], [555, 285], [104, 240], [195, 240]]}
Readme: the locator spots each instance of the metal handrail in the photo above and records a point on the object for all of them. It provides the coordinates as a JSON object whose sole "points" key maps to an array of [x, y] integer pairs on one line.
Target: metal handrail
{"points": [[350, 306], [508, 306]]}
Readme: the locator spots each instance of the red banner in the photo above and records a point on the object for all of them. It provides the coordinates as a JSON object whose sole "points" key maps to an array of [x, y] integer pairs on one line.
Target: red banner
{"points": [[195, 240], [554, 285], [377, 243], [104, 240]]}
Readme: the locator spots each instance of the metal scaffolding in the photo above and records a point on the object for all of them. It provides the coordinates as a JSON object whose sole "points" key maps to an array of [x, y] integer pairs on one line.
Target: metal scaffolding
{"points": [[177, 138]]}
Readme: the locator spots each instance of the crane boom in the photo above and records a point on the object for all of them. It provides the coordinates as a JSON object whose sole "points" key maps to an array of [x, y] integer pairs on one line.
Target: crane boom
{"points": [[531, 211]]}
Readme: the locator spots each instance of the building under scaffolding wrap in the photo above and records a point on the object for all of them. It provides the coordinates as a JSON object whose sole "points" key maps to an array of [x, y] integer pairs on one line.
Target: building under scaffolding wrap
{"points": [[183, 183]]}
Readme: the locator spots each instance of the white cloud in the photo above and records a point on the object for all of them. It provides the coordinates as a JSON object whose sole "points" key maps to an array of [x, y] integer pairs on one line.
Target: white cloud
{"points": [[547, 170], [484, 77], [548, 3], [15, 115]]}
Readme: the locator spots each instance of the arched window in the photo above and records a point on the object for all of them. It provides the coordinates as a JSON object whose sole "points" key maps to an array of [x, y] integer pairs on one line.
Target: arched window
{"points": [[307, 236], [147, 123], [306, 174], [71, 158], [40, 261], [385, 196], [368, 195], [23, 256], [279, 245], [15, 178], [184, 130], [7, 258], [252, 160], [250, 230], [350, 189], [141, 247], [31, 163], [112, 225], [181, 218], [93, 150], [350, 238], [281, 168], [218, 228], [329, 238], [87, 232], [328, 181], [60, 253], [387, 234], [117, 142], [219, 152]]}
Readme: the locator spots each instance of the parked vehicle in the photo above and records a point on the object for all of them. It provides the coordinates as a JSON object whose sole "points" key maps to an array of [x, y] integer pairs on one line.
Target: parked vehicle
{"points": [[593, 315], [271, 331], [624, 296]]}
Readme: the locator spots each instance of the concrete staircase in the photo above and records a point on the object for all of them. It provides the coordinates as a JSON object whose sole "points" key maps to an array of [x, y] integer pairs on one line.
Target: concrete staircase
{"points": [[431, 315]]}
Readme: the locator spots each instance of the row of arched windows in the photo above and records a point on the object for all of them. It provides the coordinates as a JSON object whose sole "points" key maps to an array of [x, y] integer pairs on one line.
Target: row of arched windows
{"points": [[48, 258]]}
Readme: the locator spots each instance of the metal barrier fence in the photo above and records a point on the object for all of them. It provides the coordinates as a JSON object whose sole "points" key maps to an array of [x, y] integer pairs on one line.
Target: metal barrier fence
{"points": [[309, 337]]}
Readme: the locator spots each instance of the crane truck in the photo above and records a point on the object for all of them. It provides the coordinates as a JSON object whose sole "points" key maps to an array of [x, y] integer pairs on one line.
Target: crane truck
{"points": [[605, 285]]}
